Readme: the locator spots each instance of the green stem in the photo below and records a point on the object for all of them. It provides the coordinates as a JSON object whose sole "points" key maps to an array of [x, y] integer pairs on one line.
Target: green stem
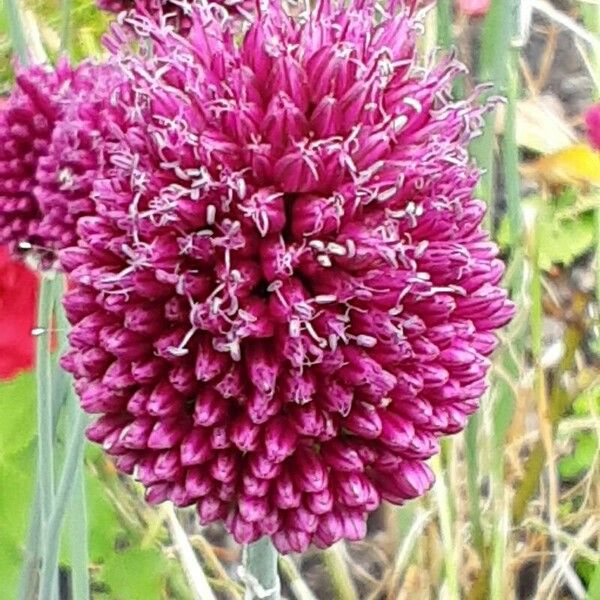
{"points": [[260, 565], [65, 26], [339, 574], [444, 23], [73, 458], [445, 517], [472, 458], [47, 295], [17, 33], [495, 45]]}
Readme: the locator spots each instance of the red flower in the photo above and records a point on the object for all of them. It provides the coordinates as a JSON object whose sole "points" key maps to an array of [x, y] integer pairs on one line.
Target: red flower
{"points": [[18, 292]]}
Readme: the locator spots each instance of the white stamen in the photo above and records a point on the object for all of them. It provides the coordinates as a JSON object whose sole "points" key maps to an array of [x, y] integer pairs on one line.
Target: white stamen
{"points": [[325, 298], [324, 260], [351, 248], [336, 249], [413, 103], [211, 213], [368, 341]]}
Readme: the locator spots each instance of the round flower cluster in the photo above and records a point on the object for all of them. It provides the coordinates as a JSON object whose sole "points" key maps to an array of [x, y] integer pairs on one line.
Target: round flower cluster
{"points": [[285, 296], [67, 170], [27, 120], [49, 152], [178, 10]]}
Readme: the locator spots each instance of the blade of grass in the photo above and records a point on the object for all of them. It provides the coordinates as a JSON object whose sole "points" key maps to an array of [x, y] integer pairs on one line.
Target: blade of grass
{"points": [[444, 24], [65, 26], [17, 33], [495, 45], [451, 561]]}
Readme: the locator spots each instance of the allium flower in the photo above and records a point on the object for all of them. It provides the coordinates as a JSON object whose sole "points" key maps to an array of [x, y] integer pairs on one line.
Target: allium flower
{"points": [[18, 293], [181, 10], [47, 150], [285, 297], [26, 123], [66, 172], [592, 121]]}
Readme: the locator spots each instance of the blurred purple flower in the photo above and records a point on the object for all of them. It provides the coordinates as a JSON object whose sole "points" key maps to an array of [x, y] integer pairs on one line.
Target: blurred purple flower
{"points": [[592, 121], [66, 172], [285, 297], [46, 139], [174, 11], [26, 123]]}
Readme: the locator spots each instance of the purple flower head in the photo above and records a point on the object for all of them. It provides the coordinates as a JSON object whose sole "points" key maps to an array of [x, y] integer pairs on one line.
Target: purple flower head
{"points": [[175, 12], [27, 120], [66, 172], [41, 162], [285, 296]]}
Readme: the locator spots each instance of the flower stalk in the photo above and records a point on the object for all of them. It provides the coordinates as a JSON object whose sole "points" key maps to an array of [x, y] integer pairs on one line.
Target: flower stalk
{"points": [[47, 297]]}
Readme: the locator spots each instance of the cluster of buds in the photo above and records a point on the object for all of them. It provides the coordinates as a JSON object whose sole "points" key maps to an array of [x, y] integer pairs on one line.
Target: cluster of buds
{"points": [[280, 291]]}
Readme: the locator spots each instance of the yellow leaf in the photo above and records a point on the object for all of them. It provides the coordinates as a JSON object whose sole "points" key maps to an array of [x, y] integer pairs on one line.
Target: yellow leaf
{"points": [[576, 166]]}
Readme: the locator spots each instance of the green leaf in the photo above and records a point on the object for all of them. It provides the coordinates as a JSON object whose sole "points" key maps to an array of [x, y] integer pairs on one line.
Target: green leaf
{"points": [[18, 422], [136, 574], [582, 457], [103, 519], [587, 400], [563, 234], [17, 475]]}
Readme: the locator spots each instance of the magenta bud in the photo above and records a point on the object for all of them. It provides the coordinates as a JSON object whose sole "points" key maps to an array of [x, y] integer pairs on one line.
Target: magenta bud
{"points": [[310, 474], [396, 431], [285, 494], [262, 467], [341, 456], [280, 439], [167, 433], [319, 503], [198, 483], [245, 434], [302, 519], [253, 509], [224, 466], [158, 492], [136, 435], [211, 509], [364, 421], [195, 447], [167, 465], [329, 531], [164, 400], [105, 425]]}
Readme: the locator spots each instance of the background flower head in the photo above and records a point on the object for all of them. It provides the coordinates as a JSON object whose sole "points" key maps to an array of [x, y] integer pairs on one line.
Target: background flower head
{"points": [[285, 296], [46, 128]]}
